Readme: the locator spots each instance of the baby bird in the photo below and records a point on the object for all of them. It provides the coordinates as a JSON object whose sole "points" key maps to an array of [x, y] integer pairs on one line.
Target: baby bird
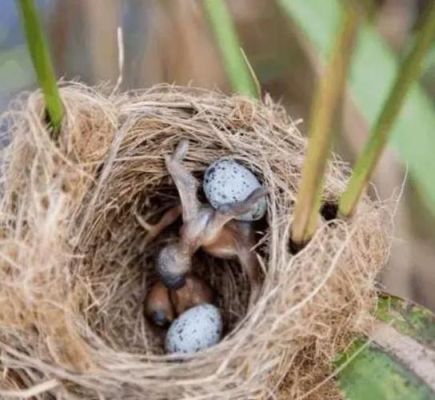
{"points": [[158, 306], [215, 231], [193, 293], [162, 305]]}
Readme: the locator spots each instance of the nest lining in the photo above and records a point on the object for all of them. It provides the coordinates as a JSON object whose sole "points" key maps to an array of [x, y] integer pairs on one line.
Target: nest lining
{"points": [[74, 269]]}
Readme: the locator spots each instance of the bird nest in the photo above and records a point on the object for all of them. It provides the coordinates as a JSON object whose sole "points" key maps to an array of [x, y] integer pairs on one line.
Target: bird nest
{"points": [[75, 265]]}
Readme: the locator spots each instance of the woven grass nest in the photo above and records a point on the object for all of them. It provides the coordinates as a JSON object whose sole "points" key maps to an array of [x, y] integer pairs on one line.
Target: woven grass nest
{"points": [[74, 270]]}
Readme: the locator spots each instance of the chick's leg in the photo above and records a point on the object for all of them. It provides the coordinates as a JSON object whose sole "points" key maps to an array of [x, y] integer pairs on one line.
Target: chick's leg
{"points": [[168, 218], [250, 265], [185, 182]]}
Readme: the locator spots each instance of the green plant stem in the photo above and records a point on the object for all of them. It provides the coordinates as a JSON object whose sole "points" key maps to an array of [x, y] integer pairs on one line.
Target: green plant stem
{"points": [[326, 101], [409, 71], [370, 9], [42, 63], [229, 45]]}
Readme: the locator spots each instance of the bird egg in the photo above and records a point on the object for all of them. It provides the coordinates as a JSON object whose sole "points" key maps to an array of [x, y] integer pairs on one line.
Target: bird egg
{"points": [[194, 330], [227, 181]]}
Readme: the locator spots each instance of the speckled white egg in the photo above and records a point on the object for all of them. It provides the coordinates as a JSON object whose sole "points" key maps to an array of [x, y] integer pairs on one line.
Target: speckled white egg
{"points": [[227, 181], [194, 330]]}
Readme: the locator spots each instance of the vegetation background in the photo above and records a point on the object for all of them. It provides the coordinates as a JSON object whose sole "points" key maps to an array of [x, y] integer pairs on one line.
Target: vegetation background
{"points": [[171, 41]]}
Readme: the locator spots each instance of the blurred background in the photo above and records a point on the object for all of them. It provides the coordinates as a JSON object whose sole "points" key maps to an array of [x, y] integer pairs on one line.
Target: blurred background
{"points": [[171, 41]]}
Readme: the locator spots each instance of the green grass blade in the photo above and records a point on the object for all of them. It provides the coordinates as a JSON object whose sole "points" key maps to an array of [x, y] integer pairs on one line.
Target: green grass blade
{"points": [[324, 108], [373, 71], [409, 71], [226, 36], [42, 62], [254, 76]]}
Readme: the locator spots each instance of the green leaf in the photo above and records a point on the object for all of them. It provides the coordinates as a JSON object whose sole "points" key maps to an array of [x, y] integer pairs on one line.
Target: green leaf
{"points": [[397, 361], [408, 318], [373, 71], [239, 73], [374, 374]]}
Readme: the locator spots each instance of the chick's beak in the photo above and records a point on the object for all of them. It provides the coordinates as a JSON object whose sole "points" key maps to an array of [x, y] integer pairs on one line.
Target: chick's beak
{"points": [[160, 318]]}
